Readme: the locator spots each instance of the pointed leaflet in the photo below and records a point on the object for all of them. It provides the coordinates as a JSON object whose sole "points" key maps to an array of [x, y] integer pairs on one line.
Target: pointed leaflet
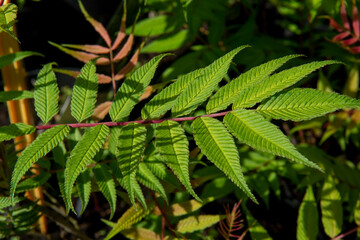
{"points": [[82, 154], [277, 82], [15, 95], [219, 147], [96, 49], [228, 93], [196, 223], [308, 219], [163, 101], [37, 149], [84, 93], [331, 208], [132, 88], [106, 185], [83, 184], [7, 18], [14, 130], [252, 129], [201, 88], [131, 146], [173, 146], [46, 94], [303, 104], [16, 56], [148, 179]]}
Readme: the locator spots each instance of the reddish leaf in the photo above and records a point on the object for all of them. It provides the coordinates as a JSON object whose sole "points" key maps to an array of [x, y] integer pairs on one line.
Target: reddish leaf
{"points": [[97, 25], [101, 77], [335, 25], [128, 67], [341, 36], [121, 35], [349, 41], [125, 49], [97, 49], [355, 21], [148, 91], [344, 17], [355, 50], [101, 111]]}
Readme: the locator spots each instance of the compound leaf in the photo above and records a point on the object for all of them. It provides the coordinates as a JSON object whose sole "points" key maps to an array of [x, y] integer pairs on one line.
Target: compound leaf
{"points": [[82, 154], [14, 130], [37, 149], [46, 94], [303, 104], [84, 93], [251, 128], [219, 147]]}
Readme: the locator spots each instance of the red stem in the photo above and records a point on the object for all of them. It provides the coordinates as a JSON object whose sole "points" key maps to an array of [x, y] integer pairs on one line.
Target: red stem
{"points": [[113, 124], [341, 236]]}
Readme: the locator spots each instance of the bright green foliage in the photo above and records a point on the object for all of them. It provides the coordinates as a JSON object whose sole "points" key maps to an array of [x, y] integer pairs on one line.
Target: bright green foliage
{"points": [[15, 95], [331, 208], [15, 130], [83, 185], [308, 218], [155, 26], [303, 104], [33, 182], [37, 149], [251, 128], [84, 92], [81, 156], [257, 231], [195, 223], [132, 88], [6, 201], [46, 94], [7, 18], [106, 185], [114, 138], [219, 147], [202, 87], [148, 179], [163, 101], [130, 217], [167, 43], [277, 82], [131, 146], [173, 146], [230, 92], [16, 56]]}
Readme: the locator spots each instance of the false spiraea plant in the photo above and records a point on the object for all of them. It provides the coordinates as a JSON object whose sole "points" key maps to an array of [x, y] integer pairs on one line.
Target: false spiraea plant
{"points": [[146, 149]]}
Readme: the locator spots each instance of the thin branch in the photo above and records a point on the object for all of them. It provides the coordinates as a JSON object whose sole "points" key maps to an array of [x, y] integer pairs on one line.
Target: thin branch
{"points": [[341, 236], [114, 124]]}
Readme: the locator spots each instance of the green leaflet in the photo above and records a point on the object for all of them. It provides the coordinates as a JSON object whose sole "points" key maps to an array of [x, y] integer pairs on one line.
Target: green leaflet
{"points": [[14, 130], [114, 138], [156, 26], [37, 149], [81, 156], [331, 208], [132, 88], [16, 56], [7, 18], [308, 218], [196, 223], [251, 128], [303, 104], [219, 147], [83, 184], [148, 179], [15, 95], [163, 101], [84, 92], [130, 217], [230, 92], [277, 82], [46, 94], [6, 201], [202, 87], [168, 42], [130, 150], [257, 231], [106, 185], [32, 182], [173, 146], [60, 176]]}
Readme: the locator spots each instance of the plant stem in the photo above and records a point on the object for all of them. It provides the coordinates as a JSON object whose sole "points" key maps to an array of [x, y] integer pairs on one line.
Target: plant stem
{"points": [[113, 124], [112, 71], [341, 236]]}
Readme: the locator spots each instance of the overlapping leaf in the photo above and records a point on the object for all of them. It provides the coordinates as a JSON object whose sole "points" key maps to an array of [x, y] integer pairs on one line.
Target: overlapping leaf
{"points": [[196, 223], [277, 82], [307, 222], [173, 146], [7, 18], [81, 156], [228, 93], [251, 128], [132, 88], [131, 146], [202, 87], [14, 130], [15, 95], [37, 149], [219, 147], [83, 184], [303, 104], [46, 94], [84, 93]]}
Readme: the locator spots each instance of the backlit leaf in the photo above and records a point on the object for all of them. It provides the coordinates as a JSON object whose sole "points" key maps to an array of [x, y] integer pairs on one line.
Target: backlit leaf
{"points": [[308, 218], [196, 223], [14, 130]]}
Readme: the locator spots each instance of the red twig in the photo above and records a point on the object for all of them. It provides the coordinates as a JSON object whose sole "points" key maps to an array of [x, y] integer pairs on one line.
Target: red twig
{"points": [[341, 236], [113, 124]]}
